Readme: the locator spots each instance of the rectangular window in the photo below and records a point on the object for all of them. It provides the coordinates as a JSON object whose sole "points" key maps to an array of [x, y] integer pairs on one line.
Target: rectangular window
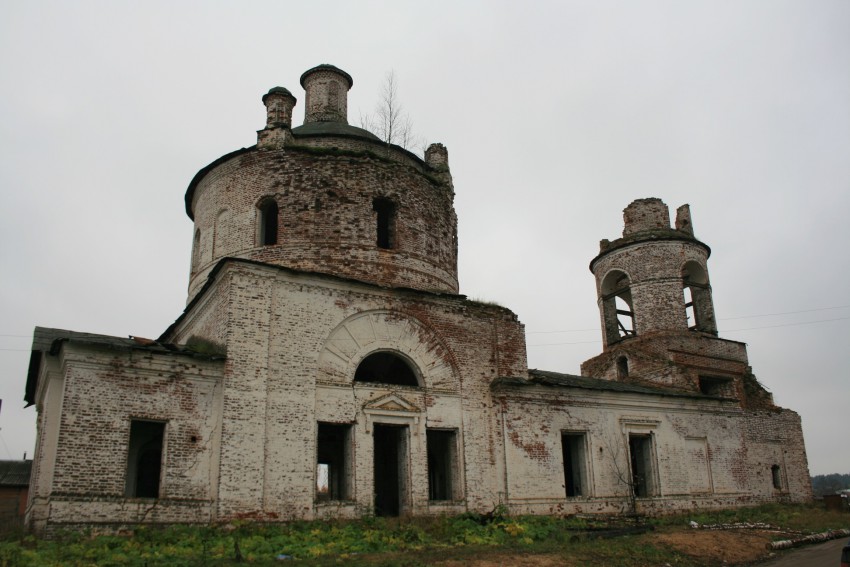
{"points": [[643, 470], [776, 476], [385, 217], [144, 459], [333, 466], [442, 463], [716, 386], [572, 449]]}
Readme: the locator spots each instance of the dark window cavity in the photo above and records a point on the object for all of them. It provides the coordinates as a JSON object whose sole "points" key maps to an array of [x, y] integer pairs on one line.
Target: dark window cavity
{"points": [[717, 386], [333, 462], [640, 452], [776, 475], [269, 222], [442, 463], [572, 449], [385, 368], [144, 459], [385, 218], [622, 367]]}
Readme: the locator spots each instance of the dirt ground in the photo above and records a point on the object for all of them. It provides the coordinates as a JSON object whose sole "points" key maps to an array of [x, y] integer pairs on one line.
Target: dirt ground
{"points": [[734, 547], [714, 547]]}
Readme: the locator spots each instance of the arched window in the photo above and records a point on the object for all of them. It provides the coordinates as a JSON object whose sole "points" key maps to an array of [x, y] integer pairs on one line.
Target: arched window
{"points": [[385, 368], [268, 222], [617, 309], [385, 219], [698, 306]]}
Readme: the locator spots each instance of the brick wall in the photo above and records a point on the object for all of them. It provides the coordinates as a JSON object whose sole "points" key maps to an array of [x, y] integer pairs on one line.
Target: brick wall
{"points": [[294, 342], [103, 391], [705, 453], [327, 222]]}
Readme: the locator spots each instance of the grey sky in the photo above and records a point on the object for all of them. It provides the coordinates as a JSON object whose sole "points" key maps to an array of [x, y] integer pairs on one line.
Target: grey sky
{"points": [[556, 116]]}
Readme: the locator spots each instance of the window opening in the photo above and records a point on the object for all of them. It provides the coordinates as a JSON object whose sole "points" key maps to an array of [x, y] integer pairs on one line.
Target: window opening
{"points": [[442, 463], [622, 367], [386, 213], [625, 317], [715, 386], [690, 314], [640, 451], [776, 474], [333, 462], [385, 368], [144, 459], [268, 223], [390, 466], [617, 311], [699, 310], [572, 449]]}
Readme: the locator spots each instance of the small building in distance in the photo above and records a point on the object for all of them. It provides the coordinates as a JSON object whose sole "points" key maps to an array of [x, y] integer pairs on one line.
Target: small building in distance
{"points": [[14, 489], [327, 366]]}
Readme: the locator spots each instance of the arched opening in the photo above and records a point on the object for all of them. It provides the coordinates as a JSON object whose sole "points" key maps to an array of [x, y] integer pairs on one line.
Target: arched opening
{"points": [[385, 368], [385, 220], [269, 219], [699, 310], [617, 310]]}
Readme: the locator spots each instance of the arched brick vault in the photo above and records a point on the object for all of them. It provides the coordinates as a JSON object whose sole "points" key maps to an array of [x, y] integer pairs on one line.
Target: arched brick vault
{"points": [[384, 330]]}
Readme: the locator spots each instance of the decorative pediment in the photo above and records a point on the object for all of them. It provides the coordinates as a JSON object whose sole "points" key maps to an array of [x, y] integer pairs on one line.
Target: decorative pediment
{"points": [[391, 409], [390, 402]]}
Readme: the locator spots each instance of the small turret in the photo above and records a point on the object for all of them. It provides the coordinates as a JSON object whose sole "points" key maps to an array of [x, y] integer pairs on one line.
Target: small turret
{"points": [[437, 156], [279, 104], [326, 89]]}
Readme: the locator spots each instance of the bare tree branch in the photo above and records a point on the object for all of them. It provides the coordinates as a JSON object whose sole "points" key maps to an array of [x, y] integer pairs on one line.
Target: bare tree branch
{"points": [[390, 122], [621, 468]]}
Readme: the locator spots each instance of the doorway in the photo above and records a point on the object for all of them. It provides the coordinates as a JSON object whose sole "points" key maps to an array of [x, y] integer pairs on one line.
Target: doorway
{"points": [[390, 463]]}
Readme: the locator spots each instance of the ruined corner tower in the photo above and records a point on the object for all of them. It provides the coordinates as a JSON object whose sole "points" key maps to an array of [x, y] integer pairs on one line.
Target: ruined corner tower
{"points": [[657, 313]]}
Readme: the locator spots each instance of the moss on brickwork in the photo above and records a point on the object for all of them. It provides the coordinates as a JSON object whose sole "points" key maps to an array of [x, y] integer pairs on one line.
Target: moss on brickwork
{"points": [[205, 346]]}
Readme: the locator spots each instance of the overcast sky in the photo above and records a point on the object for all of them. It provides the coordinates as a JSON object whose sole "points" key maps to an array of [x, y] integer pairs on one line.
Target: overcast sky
{"points": [[556, 116]]}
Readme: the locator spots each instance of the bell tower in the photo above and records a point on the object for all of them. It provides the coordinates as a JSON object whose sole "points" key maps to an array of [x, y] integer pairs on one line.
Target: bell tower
{"points": [[655, 278], [657, 314]]}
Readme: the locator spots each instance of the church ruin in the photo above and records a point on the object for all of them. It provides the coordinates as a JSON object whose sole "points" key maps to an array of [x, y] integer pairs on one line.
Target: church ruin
{"points": [[326, 365]]}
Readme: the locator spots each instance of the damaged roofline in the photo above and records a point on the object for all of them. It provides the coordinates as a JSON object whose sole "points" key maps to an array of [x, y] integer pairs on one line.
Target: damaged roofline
{"points": [[228, 259]]}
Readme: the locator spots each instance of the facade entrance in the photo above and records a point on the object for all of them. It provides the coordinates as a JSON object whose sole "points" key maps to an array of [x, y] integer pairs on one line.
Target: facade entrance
{"points": [[390, 468]]}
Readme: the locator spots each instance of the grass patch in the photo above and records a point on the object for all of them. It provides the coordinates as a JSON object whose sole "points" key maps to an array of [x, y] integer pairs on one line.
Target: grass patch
{"points": [[409, 542]]}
